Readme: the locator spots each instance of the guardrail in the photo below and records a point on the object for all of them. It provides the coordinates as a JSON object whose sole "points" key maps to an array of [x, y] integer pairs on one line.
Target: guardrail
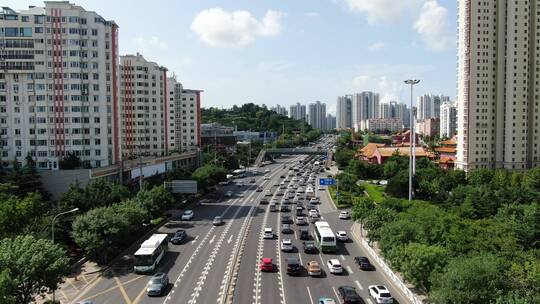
{"points": [[398, 282]]}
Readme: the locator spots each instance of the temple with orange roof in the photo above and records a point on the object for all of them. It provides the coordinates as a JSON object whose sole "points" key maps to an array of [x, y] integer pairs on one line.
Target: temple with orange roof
{"points": [[447, 153]]}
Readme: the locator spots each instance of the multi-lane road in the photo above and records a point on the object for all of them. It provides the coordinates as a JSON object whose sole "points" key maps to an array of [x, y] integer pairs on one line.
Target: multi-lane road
{"points": [[202, 270]]}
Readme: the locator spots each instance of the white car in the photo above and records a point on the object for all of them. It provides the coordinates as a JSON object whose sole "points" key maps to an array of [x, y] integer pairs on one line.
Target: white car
{"points": [[268, 193], [266, 177], [268, 233], [334, 266], [344, 215], [314, 200], [274, 200], [187, 215], [321, 188], [314, 212], [342, 236], [381, 294], [300, 220], [287, 245]]}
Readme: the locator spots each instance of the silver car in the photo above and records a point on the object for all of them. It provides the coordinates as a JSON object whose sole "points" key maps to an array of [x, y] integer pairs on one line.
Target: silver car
{"points": [[157, 284]]}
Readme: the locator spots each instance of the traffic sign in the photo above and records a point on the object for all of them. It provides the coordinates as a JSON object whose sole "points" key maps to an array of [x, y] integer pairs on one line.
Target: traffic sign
{"points": [[327, 182]]}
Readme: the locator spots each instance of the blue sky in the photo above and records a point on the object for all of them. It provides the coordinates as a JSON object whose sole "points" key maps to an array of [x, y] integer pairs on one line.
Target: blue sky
{"points": [[288, 51]]}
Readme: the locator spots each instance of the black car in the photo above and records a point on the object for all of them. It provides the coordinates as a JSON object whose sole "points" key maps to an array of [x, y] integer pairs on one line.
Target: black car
{"points": [[304, 234], [179, 237], [286, 229], [293, 266], [349, 295], [285, 208], [309, 247], [363, 262], [299, 213], [285, 219]]}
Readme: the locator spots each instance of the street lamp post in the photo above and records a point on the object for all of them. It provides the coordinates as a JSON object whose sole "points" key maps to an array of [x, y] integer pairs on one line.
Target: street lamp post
{"points": [[412, 138], [52, 236]]}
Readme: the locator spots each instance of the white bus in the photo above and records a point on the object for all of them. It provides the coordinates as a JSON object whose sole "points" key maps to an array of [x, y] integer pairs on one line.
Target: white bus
{"points": [[325, 236], [150, 253]]}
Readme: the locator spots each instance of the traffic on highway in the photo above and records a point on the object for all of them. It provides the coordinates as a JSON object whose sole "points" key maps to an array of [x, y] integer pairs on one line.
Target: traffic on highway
{"points": [[273, 236]]}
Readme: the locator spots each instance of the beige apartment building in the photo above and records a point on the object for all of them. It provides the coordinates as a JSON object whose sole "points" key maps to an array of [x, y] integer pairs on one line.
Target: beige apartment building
{"points": [[143, 107], [58, 86], [498, 84]]}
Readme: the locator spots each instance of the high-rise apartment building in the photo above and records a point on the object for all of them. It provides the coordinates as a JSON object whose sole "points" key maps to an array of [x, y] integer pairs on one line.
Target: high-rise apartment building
{"points": [[448, 119], [189, 130], [280, 110], [365, 105], [384, 110], [143, 107], [298, 112], [344, 112], [58, 86], [400, 110], [317, 115], [498, 75], [429, 105], [330, 122]]}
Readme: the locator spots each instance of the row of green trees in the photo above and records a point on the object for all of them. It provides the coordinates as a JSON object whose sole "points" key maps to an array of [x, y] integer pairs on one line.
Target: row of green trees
{"points": [[471, 238], [104, 231]]}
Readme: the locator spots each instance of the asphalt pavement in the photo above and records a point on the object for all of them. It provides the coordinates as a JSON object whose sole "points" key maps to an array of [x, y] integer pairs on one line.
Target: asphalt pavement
{"points": [[200, 270]]}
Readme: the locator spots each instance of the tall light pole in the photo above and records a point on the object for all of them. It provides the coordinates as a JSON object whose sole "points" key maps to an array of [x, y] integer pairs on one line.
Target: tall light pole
{"points": [[52, 236], [412, 138]]}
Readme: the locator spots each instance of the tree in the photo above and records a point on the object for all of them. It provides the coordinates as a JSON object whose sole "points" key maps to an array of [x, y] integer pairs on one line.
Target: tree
{"points": [[33, 265], [155, 201], [531, 180], [361, 209], [6, 287], [376, 219], [479, 177], [103, 231], [473, 279], [208, 176], [16, 212], [398, 185], [70, 161], [418, 261], [343, 156], [97, 193]]}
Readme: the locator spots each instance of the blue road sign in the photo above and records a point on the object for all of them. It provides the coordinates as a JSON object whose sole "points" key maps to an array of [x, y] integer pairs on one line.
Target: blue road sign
{"points": [[327, 182]]}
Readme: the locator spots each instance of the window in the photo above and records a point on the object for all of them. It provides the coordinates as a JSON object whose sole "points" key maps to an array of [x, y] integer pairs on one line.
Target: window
{"points": [[10, 32], [25, 32], [25, 18]]}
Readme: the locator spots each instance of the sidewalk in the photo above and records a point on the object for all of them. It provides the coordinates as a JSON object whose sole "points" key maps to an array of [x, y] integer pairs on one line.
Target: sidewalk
{"points": [[82, 277], [374, 253]]}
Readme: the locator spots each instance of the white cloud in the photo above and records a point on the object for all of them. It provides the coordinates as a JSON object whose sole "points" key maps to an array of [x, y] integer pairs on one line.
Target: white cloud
{"points": [[220, 28], [433, 26], [382, 10], [376, 46], [151, 42], [311, 14]]}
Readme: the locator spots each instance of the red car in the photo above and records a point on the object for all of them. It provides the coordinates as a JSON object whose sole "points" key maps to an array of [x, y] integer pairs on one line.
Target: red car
{"points": [[266, 264]]}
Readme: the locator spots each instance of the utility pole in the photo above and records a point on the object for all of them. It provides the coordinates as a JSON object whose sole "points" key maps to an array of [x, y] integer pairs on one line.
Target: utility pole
{"points": [[412, 139]]}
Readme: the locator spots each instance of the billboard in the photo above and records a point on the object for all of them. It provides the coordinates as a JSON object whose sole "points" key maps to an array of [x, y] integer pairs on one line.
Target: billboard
{"points": [[148, 171], [182, 186]]}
